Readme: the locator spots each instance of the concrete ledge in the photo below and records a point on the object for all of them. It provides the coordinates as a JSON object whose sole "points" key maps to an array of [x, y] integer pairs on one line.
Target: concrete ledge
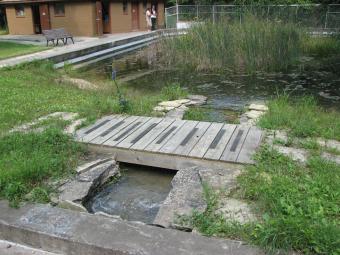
{"points": [[68, 232]]}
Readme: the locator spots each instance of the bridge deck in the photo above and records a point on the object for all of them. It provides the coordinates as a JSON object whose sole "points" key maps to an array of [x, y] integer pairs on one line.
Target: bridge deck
{"points": [[184, 139]]}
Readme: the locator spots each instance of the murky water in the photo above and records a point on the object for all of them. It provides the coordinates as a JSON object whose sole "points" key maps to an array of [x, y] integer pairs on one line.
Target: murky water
{"points": [[138, 194], [230, 91]]}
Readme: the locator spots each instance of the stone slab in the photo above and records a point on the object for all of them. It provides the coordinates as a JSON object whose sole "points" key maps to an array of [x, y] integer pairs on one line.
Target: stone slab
{"points": [[185, 196], [10, 248], [73, 233]]}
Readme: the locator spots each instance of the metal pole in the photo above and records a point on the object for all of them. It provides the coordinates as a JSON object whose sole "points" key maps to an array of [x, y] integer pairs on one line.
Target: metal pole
{"points": [[196, 11], [213, 12], [177, 18]]}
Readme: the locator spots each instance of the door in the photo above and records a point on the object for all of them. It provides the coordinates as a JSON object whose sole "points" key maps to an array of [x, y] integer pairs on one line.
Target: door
{"points": [[135, 15], [99, 18], [44, 17]]}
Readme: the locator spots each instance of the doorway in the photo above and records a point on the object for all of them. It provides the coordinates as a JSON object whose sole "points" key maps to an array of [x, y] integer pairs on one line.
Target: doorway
{"points": [[44, 17], [106, 16], [36, 19], [135, 16]]}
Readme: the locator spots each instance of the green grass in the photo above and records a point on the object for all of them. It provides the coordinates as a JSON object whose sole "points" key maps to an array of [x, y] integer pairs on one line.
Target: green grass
{"points": [[27, 161], [30, 91], [300, 204], [196, 113], [10, 49], [302, 118]]}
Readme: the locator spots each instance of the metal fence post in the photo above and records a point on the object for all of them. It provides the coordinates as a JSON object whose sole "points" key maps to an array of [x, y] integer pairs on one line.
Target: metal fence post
{"points": [[196, 11], [213, 13], [177, 18]]}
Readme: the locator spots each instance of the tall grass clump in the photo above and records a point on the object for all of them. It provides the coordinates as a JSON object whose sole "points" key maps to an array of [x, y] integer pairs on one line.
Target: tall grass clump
{"points": [[253, 45]]}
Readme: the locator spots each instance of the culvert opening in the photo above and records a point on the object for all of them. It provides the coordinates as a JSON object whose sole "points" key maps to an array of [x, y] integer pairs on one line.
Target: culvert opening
{"points": [[136, 196]]}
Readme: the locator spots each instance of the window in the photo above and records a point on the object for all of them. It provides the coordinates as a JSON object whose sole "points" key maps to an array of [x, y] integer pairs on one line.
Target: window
{"points": [[20, 10], [125, 7], [59, 9]]}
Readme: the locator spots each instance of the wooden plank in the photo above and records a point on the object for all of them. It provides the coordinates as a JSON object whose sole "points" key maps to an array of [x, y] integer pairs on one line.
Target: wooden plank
{"points": [[234, 146], [219, 143], [104, 137], [203, 144], [167, 134], [127, 131], [167, 161], [103, 128], [187, 144], [171, 145], [139, 134], [81, 132], [250, 145], [151, 136]]}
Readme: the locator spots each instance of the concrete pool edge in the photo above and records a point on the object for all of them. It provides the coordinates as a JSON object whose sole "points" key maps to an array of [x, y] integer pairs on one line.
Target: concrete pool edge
{"points": [[59, 230]]}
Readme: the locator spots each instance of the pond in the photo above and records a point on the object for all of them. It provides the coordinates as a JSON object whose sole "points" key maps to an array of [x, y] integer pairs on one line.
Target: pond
{"points": [[136, 196], [228, 92]]}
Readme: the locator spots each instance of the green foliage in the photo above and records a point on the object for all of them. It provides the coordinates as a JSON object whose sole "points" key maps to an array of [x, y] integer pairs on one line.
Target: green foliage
{"points": [[10, 49], [253, 45], [196, 113], [28, 160], [302, 118], [322, 46], [300, 203], [173, 91]]}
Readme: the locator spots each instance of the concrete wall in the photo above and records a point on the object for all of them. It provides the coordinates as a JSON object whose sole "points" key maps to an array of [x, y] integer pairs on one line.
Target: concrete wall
{"points": [[120, 22], [20, 25], [79, 19]]}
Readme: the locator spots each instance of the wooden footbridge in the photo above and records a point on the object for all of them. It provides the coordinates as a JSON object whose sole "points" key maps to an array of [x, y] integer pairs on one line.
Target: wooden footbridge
{"points": [[171, 143]]}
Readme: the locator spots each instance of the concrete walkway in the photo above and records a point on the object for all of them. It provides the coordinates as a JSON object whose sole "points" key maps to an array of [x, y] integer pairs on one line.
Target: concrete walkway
{"points": [[86, 43], [68, 232]]}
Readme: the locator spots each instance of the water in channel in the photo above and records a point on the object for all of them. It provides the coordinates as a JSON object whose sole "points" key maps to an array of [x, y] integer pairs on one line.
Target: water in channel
{"points": [[136, 196]]}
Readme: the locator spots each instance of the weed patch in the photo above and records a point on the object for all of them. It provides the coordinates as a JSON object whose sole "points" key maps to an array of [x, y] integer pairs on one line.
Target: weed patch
{"points": [[27, 161], [302, 118]]}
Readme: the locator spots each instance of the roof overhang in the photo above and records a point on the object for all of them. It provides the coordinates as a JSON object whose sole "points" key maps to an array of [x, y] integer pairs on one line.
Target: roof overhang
{"points": [[7, 2]]}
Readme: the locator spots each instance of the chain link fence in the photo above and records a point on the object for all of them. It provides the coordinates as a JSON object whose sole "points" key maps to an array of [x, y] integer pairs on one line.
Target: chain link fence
{"points": [[315, 17]]}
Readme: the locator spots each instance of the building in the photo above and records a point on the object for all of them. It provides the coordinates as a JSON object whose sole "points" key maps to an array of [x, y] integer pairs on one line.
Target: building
{"points": [[79, 17]]}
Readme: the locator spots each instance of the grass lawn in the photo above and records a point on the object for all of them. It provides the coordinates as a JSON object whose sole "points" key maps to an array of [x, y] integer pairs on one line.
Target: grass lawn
{"points": [[30, 91], [10, 49]]}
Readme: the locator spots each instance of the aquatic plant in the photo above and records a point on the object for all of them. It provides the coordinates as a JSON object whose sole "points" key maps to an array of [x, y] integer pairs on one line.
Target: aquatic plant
{"points": [[254, 45]]}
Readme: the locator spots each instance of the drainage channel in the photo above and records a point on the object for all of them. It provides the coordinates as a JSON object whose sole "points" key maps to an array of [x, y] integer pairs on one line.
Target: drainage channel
{"points": [[136, 196]]}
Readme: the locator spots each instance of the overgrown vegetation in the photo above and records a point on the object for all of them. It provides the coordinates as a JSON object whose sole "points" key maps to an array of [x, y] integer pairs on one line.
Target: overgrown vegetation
{"points": [[254, 45], [10, 49], [299, 204], [302, 118], [27, 161]]}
